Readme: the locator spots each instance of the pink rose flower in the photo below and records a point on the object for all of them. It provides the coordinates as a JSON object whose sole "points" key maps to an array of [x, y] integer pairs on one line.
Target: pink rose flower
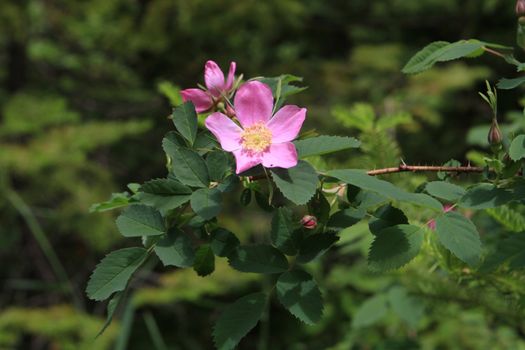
{"points": [[216, 84], [261, 138]]}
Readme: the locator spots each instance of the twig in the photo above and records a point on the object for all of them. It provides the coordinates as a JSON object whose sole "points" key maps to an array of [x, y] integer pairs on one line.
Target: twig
{"points": [[493, 52], [403, 168], [425, 168]]}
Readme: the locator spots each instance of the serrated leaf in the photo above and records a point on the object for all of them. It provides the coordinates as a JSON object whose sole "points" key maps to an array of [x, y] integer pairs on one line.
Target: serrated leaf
{"points": [[360, 179], [394, 247], [315, 245], [205, 142], [175, 249], [316, 146], [187, 165], [370, 312], [299, 294], [517, 148], [112, 306], [445, 190], [386, 216], [140, 220], [259, 258], [282, 233], [114, 271], [298, 184], [206, 202], [165, 187], [441, 51], [164, 194], [219, 165], [459, 235], [485, 196], [204, 263], [185, 120], [408, 308], [346, 218], [509, 84], [237, 320], [223, 242]]}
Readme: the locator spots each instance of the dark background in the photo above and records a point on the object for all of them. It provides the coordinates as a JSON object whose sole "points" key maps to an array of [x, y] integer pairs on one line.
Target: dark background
{"points": [[84, 100]]}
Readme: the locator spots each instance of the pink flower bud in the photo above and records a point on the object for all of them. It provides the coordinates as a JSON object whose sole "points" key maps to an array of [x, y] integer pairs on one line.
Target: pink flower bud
{"points": [[494, 136], [309, 222], [520, 8]]}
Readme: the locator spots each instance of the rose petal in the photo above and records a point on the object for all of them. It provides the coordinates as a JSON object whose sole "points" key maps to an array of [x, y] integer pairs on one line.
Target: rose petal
{"points": [[253, 103], [245, 160], [286, 123], [214, 78], [231, 76], [225, 130], [280, 155], [200, 99]]}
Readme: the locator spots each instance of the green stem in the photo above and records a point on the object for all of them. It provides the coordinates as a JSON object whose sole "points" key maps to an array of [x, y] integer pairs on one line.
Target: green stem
{"points": [[38, 233], [154, 331]]}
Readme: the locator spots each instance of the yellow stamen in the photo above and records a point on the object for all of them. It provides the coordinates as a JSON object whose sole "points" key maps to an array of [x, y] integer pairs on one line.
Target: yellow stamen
{"points": [[256, 138]]}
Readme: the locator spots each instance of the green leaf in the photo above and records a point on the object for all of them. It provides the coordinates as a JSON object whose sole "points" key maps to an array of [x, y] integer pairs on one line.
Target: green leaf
{"points": [[360, 179], [394, 247], [113, 304], [188, 166], [164, 194], [459, 235], [219, 165], [117, 200], [165, 187], [441, 51], [282, 234], [205, 142], [223, 242], [299, 294], [204, 263], [237, 320], [258, 258], [517, 148], [298, 184], [114, 271], [175, 249], [206, 202], [185, 120], [320, 145], [319, 207], [445, 190], [370, 312], [509, 84], [346, 218], [485, 196], [140, 220], [315, 245], [386, 216], [408, 308]]}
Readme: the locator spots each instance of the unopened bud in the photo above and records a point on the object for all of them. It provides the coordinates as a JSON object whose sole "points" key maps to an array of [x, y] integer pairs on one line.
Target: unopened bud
{"points": [[309, 222], [520, 8], [230, 112], [495, 136]]}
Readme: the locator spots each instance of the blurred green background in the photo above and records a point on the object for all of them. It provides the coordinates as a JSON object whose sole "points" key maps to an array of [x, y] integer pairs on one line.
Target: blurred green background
{"points": [[85, 91]]}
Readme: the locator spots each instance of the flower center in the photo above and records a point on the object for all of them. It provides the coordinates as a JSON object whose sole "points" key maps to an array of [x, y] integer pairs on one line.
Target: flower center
{"points": [[256, 138]]}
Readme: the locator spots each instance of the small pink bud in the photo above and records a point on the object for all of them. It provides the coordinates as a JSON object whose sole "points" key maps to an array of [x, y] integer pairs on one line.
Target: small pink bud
{"points": [[309, 222], [520, 8], [230, 112], [494, 136]]}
